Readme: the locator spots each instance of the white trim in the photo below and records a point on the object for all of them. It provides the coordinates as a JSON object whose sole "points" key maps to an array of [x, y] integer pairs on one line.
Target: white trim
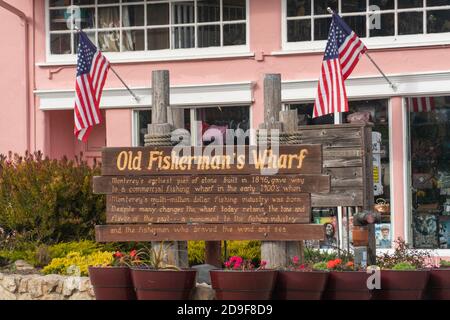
{"points": [[391, 171], [441, 253], [134, 126], [368, 87], [181, 96], [407, 227], [154, 55], [398, 41]]}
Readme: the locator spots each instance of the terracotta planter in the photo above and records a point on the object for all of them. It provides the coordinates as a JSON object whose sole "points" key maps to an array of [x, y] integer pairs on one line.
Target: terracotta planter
{"points": [[439, 284], [243, 285], [402, 285], [113, 283], [297, 285], [360, 236], [163, 284], [347, 285]]}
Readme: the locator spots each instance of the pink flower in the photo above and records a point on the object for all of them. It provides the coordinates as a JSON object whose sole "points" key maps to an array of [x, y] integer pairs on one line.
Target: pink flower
{"points": [[295, 260], [263, 263], [227, 264]]}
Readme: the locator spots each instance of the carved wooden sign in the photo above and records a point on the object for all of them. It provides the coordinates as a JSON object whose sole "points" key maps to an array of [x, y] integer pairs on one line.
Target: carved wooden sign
{"points": [[246, 193]]}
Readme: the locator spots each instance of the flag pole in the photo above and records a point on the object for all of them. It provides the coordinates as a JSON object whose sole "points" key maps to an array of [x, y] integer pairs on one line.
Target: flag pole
{"points": [[393, 86], [119, 77]]}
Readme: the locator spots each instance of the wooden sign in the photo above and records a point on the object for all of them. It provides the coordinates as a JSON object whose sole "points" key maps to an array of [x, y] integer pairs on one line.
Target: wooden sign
{"points": [[247, 184], [208, 232], [217, 160], [219, 208]]}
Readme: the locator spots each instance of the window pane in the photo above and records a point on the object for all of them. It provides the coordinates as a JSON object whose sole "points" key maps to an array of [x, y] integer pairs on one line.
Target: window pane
{"points": [[429, 119], [305, 112], [86, 2], [208, 11], [434, 3], [108, 17], [234, 34], [357, 24], [410, 23], [109, 41], [234, 10], [133, 40], [59, 3], [158, 14], [133, 16], [387, 26], [87, 18], [321, 28], [383, 4], [158, 39], [144, 119], [438, 21], [410, 4], [183, 12], [183, 37], [60, 43], [58, 20], [297, 8], [299, 30], [208, 36], [320, 6], [353, 6]]}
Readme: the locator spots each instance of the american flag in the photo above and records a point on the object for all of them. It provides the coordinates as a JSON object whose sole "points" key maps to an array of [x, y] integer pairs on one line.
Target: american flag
{"points": [[92, 70], [343, 51], [420, 104]]}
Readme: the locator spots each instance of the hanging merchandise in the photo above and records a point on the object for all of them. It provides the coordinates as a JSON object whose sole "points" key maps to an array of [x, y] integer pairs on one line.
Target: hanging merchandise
{"points": [[377, 172]]}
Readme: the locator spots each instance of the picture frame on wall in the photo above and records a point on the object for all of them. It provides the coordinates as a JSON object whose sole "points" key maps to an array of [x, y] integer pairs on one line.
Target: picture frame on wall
{"points": [[425, 231]]}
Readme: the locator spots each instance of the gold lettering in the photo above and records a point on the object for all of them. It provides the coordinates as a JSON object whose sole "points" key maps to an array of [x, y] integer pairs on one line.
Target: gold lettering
{"points": [[302, 157], [122, 161]]}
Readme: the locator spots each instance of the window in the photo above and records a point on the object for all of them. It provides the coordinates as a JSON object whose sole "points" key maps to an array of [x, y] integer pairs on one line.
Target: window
{"points": [[149, 25], [218, 118], [308, 20], [429, 158], [379, 115]]}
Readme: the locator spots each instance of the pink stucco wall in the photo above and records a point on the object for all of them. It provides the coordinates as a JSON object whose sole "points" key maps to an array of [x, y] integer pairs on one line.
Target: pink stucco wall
{"points": [[51, 131]]}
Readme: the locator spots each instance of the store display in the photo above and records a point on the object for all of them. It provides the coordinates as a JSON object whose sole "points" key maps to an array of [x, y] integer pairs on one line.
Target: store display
{"points": [[383, 236], [444, 233], [425, 232]]}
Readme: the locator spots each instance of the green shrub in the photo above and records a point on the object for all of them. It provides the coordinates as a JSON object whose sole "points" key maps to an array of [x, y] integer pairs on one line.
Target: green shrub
{"points": [[444, 264], [248, 250], [320, 266], [404, 266], [48, 201], [76, 263], [313, 256]]}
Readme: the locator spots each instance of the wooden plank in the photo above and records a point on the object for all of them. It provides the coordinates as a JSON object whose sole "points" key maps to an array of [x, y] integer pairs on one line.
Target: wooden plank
{"points": [[212, 232], [232, 208], [345, 177], [330, 137], [248, 184], [299, 159], [339, 197]]}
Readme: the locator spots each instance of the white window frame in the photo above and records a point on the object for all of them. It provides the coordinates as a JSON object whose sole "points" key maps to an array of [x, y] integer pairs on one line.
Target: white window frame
{"points": [[155, 55], [398, 41]]}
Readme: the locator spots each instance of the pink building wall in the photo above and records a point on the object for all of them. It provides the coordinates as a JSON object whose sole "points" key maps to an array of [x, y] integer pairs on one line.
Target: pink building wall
{"points": [[51, 131]]}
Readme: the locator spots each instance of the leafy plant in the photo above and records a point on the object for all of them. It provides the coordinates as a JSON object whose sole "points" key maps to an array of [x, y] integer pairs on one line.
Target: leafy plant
{"points": [[153, 258], [403, 254], [77, 264], [238, 263], [320, 266], [312, 256], [249, 250], [339, 265], [404, 266], [47, 201], [444, 264]]}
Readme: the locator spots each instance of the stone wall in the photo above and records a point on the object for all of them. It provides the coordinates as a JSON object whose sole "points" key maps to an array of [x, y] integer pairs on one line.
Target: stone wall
{"points": [[48, 287]]}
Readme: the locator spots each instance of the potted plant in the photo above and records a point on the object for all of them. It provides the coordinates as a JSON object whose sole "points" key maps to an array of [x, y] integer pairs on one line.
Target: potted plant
{"points": [[154, 279], [113, 281], [439, 282], [241, 280], [346, 281], [403, 274], [301, 281]]}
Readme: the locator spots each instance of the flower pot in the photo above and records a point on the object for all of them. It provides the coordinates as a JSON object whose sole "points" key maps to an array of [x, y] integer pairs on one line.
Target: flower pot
{"points": [[298, 285], [153, 284], [112, 283], [347, 285], [360, 236], [402, 285], [243, 285], [439, 284]]}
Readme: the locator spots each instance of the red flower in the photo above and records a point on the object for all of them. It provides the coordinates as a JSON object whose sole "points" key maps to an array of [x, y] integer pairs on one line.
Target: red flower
{"points": [[302, 267], [295, 260], [331, 264], [133, 253], [338, 261], [263, 263], [227, 264], [350, 264], [118, 254]]}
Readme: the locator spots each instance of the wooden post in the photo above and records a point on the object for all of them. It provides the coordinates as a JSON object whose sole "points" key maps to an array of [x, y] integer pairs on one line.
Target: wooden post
{"points": [[276, 253], [213, 253], [176, 253]]}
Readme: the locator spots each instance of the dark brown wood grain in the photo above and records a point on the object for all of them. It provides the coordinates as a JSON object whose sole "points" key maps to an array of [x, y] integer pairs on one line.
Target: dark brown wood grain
{"points": [[246, 184], [212, 232], [136, 161], [232, 208]]}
